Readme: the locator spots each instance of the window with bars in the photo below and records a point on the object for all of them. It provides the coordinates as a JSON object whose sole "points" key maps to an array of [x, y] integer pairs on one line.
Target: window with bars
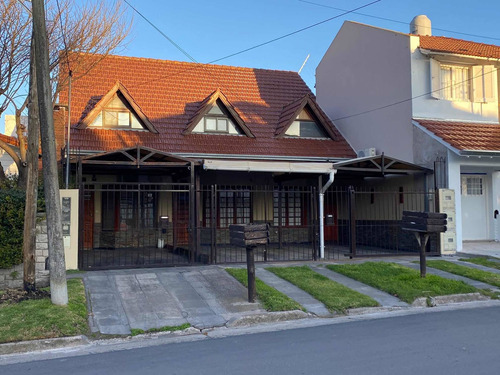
{"points": [[472, 186], [234, 207], [289, 203]]}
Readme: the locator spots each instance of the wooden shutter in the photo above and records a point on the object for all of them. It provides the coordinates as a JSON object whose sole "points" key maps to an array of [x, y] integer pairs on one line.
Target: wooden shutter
{"points": [[477, 83], [489, 83], [436, 91]]}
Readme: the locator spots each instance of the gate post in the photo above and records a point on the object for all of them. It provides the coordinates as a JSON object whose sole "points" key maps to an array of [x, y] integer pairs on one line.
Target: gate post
{"points": [[352, 221]]}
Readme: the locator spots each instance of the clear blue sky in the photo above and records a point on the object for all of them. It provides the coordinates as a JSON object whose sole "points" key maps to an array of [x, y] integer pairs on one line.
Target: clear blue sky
{"points": [[209, 30]]}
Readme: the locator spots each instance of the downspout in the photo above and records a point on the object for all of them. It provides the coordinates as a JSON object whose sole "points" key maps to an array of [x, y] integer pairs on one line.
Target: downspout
{"points": [[322, 213]]}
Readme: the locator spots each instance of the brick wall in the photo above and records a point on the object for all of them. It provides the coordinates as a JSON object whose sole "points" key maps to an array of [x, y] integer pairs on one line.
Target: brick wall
{"points": [[13, 277]]}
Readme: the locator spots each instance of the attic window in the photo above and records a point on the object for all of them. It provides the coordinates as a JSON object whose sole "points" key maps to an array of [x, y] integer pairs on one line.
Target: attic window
{"points": [[117, 115], [217, 121], [305, 126]]}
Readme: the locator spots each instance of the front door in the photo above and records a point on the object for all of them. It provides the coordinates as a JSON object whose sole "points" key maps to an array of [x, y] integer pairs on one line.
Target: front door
{"points": [[474, 207]]}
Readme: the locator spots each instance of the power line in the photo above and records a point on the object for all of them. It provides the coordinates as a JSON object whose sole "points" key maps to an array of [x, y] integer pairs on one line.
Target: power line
{"points": [[246, 49], [162, 33], [413, 97], [397, 21]]}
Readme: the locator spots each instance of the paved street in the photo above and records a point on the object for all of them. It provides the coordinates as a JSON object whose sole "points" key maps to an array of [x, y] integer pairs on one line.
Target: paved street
{"points": [[447, 342]]}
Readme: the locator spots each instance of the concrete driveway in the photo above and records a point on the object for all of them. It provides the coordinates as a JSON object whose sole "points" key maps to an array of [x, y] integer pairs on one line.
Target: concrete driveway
{"points": [[152, 298]]}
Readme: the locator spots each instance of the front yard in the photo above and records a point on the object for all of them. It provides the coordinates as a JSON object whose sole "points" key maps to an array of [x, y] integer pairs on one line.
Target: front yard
{"points": [[40, 319], [401, 282]]}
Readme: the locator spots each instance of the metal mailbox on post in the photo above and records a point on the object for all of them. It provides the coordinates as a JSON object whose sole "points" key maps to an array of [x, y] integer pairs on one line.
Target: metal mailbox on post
{"points": [[422, 224], [249, 236]]}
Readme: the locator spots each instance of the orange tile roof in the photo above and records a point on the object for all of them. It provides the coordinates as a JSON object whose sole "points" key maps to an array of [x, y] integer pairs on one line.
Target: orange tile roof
{"points": [[459, 46], [170, 93], [9, 140], [465, 136]]}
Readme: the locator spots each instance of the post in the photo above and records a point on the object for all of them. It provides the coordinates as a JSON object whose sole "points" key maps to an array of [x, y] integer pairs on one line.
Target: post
{"points": [[422, 239], [352, 222], [58, 286], [251, 273]]}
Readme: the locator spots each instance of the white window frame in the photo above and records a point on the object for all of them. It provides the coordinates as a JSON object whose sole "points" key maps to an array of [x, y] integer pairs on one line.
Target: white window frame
{"points": [[482, 85]]}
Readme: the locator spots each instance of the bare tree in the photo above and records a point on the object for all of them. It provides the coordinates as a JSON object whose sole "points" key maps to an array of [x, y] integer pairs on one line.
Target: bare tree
{"points": [[94, 27]]}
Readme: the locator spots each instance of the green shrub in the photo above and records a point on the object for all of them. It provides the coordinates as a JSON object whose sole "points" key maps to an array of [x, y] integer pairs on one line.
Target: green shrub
{"points": [[12, 203]]}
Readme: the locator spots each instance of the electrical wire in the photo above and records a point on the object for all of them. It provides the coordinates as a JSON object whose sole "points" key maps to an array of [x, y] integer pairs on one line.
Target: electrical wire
{"points": [[413, 97], [244, 50], [397, 21]]}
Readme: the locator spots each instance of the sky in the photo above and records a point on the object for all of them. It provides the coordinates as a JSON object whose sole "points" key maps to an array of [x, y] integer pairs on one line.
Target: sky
{"points": [[210, 30]]}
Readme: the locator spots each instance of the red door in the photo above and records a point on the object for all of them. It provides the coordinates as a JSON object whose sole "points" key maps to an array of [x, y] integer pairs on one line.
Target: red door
{"points": [[331, 224]]}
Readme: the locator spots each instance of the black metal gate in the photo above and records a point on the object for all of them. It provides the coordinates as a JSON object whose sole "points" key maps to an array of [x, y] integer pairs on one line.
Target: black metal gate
{"points": [[290, 211], [366, 222], [133, 225]]}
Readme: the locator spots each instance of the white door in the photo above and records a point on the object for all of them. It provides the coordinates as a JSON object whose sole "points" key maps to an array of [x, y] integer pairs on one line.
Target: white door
{"points": [[474, 207]]}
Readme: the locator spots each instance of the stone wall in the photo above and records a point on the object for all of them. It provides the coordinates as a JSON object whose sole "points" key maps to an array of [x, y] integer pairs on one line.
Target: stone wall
{"points": [[13, 277]]}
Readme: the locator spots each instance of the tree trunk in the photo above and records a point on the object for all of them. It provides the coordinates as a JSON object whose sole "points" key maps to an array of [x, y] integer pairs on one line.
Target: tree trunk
{"points": [[29, 240], [22, 167], [58, 286], [2, 173]]}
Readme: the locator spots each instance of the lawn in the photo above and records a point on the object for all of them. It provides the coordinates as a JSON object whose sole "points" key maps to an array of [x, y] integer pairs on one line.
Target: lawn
{"points": [[402, 282], [483, 262], [336, 297], [272, 299], [37, 319], [470, 273]]}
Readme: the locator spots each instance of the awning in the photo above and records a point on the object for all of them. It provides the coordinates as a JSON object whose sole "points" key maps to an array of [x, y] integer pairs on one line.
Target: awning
{"points": [[267, 166], [376, 166]]}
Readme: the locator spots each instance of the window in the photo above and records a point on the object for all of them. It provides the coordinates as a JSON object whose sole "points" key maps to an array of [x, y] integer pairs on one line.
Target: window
{"points": [[216, 124], [472, 185], [290, 205], [305, 126], [455, 82], [234, 207], [117, 114], [217, 121]]}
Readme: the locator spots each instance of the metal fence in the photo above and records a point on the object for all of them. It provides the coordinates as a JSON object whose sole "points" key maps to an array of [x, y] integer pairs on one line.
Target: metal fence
{"points": [[145, 225]]}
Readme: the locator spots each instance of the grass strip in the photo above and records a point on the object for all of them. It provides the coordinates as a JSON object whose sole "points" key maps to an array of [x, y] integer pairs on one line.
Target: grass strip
{"points": [[39, 319], [272, 299], [138, 331], [483, 262], [336, 297], [468, 272], [402, 282]]}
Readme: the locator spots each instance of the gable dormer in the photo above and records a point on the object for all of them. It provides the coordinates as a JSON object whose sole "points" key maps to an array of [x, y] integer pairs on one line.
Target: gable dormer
{"points": [[117, 110], [304, 119], [216, 115]]}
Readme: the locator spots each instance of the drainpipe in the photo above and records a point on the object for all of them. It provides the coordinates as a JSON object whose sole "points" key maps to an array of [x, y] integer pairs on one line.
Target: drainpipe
{"points": [[322, 214]]}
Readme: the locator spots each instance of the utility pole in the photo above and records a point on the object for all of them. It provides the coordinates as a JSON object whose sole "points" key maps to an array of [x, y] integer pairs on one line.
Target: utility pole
{"points": [[58, 285]]}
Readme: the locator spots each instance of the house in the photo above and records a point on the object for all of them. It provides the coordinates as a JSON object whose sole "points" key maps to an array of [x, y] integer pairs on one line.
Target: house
{"points": [[428, 100], [10, 139], [166, 155]]}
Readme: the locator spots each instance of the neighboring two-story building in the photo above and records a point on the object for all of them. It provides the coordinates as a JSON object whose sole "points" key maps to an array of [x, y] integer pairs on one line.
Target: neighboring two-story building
{"points": [[422, 99]]}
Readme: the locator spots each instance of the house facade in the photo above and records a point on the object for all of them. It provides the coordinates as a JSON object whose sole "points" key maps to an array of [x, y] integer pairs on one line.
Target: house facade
{"points": [[428, 100], [166, 155]]}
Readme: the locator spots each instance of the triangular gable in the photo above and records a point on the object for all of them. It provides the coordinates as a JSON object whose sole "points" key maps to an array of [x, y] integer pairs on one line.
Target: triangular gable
{"points": [[206, 105], [138, 156], [293, 109], [101, 105]]}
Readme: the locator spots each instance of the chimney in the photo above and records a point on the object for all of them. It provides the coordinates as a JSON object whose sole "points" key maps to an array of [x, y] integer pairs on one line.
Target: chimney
{"points": [[421, 25]]}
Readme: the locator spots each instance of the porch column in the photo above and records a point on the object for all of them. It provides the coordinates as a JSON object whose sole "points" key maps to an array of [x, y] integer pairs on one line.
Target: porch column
{"points": [[322, 213]]}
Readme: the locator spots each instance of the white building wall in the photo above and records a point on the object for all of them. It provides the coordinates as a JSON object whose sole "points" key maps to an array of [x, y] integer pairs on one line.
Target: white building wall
{"points": [[425, 106], [366, 68]]}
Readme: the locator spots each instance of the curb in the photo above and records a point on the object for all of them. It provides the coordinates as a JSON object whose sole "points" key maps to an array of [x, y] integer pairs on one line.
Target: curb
{"points": [[271, 317], [43, 344], [444, 300]]}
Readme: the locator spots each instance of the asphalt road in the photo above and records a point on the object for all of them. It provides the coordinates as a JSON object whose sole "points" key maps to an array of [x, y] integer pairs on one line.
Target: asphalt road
{"points": [[451, 342]]}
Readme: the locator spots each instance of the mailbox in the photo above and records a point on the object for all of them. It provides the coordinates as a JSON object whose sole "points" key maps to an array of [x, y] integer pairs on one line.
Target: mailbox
{"points": [[164, 221], [329, 220]]}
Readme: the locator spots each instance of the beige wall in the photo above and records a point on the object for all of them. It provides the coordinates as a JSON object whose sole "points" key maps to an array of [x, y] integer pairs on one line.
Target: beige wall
{"points": [[71, 241]]}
